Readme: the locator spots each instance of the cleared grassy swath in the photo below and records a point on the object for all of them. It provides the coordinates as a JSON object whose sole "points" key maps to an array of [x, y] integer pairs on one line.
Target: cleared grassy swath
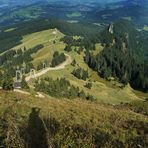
{"points": [[46, 38], [145, 28], [10, 29], [41, 37], [74, 14]]}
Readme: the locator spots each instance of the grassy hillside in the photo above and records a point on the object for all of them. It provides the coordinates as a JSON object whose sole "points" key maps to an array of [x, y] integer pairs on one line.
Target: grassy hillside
{"points": [[102, 90], [12, 35], [45, 38], [67, 123]]}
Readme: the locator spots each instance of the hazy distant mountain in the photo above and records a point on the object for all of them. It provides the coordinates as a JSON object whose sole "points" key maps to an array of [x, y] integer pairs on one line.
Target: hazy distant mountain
{"points": [[26, 2], [88, 10], [17, 2]]}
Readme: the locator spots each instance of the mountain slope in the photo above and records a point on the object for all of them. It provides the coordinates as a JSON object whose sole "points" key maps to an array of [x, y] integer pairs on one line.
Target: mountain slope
{"points": [[108, 92], [135, 11], [38, 41], [28, 120], [17, 2], [124, 56]]}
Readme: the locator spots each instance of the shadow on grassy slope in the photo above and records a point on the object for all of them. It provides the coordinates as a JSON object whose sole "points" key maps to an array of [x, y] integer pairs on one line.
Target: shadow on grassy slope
{"points": [[36, 131]]}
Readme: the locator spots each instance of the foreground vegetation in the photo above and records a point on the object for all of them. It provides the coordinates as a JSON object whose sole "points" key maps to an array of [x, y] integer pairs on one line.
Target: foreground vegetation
{"points": [[30, 121]]}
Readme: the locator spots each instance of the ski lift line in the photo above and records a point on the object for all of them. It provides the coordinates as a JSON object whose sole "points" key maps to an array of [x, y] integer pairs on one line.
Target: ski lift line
{"points": [[44, 65], [44, 71], [19, 76], [32, 73]]}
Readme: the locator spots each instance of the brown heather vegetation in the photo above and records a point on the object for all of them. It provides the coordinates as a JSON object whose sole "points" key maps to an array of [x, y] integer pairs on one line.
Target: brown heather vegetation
{"points": [[28, 121]]}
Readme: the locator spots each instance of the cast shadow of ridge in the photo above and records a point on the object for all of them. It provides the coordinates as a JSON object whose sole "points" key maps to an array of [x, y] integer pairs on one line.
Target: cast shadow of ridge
{"points": [[37, 137]]}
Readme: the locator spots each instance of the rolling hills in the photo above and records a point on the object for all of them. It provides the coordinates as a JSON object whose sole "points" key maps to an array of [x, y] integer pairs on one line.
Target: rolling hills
{"points": [[83, 11]]}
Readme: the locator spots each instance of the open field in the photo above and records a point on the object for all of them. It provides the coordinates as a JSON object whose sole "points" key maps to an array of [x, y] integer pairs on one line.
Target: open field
{"points": [[45, 38], [47, 52], [73, 21], [74, 14], [145, 28], [127, 18], [10, 29], [42, 37]]}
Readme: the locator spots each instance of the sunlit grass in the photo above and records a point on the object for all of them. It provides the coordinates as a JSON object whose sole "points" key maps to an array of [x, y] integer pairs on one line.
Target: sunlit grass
{"points": [[74, 14], [145, 28]]}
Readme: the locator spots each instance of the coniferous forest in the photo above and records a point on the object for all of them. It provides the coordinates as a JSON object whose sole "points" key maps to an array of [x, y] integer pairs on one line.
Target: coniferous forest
{"points": [[123, 56]]}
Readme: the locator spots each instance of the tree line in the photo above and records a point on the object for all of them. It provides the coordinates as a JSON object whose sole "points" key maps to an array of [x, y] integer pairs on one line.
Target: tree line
{"points": [[121, 58], [13, 59], [57, 59], [80, 73], [60, 88], [7, 81], [82, 43]]}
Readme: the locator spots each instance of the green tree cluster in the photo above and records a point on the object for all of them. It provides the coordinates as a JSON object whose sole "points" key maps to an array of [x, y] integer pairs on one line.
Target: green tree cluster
{"points": [[24, 83], [60, 88], [12, 59], [80, 73], [58, 58], [88, 85], [6, 81]]}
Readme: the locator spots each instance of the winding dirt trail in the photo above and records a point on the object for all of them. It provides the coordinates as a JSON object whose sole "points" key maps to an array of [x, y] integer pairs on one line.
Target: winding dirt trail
{"points": [[59, 67]]}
